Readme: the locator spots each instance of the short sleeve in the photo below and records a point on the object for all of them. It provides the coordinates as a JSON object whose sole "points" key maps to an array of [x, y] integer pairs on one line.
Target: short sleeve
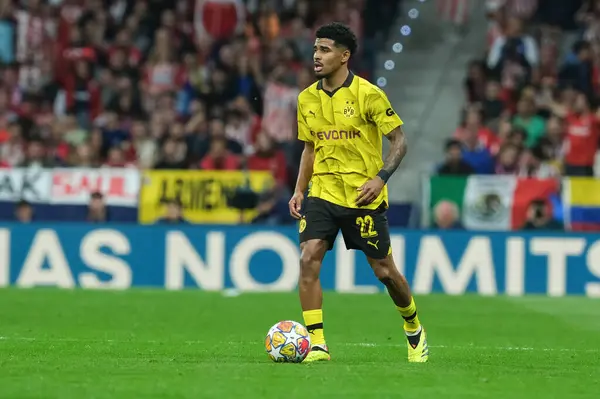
{"points": [[303, 129], [381, 113]]}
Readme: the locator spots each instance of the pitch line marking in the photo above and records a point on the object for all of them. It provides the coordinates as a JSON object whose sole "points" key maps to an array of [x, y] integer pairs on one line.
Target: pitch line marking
{"points": [[355, 344]]}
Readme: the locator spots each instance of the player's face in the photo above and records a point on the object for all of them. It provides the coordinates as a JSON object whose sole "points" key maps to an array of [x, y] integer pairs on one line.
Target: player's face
{"points": [[328, 57]]}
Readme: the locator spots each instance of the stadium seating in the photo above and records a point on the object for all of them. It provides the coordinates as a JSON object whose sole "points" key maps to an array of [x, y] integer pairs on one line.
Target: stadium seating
{"points": [[157, 86]]}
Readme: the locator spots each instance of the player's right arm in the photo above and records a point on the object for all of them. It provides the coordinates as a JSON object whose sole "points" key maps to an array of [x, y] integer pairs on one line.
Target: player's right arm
{"points": [[306, 166]]}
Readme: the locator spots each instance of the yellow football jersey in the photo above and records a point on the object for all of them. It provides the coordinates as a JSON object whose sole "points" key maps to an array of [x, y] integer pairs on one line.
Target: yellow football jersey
{"points": [[346, 127]]}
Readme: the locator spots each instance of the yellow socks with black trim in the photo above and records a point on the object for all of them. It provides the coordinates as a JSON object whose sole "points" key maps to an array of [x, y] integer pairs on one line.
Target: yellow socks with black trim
{"points": [[313, 319], [412, 325]]}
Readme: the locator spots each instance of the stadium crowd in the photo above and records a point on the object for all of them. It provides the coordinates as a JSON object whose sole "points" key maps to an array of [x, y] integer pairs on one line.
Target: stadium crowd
{"points": [[155, 84], [528, 114]]}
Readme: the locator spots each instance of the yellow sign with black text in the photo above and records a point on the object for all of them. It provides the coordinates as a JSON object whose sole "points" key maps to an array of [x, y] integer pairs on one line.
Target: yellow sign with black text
{"points": [[204, 195]]}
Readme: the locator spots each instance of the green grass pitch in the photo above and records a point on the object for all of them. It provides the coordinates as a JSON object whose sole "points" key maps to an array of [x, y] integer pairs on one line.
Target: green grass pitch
{"points": [[192, 344]]}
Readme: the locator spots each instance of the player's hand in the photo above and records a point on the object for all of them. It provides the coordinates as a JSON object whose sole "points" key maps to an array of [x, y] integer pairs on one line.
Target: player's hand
{"points": [[295, 205], [369, 191]]}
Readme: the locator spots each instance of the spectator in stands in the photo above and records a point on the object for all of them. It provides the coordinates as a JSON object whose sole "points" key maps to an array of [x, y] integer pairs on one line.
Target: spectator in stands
{"points": [[279, 107], [116, 159], [533, 124], [24, 212], [73, 133], [553, 141], [220, 90], [446, 216], [517, 137], [473, 122], [534, 163], [83, 96], [216, 132], [475, 152], [97, 211], [174, 213], [162, 73], [508, 160], [170, 158], [503, 128], [578, 71], [113, 134], [582, 135], [268, 158], [539, 217], [454, 165], [219, 157], [474, 84], [268, 210], [124, 76], [12, 149], [36, 155], [493, 107], [143, 147], [513, 55], [242, 124], [83, 157]]}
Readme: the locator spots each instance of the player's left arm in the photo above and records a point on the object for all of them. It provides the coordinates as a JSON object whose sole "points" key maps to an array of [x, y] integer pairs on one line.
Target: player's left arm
{"points": [[389, 124], [397, 152]]}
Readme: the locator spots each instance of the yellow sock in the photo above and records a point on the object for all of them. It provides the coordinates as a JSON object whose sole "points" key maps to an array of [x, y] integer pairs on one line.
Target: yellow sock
{"points": [[409, 314], [313, 319]]}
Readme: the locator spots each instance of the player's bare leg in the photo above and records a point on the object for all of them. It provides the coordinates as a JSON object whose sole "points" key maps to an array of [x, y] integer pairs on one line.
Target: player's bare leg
{"points": [[311, 296], [398, 289]]}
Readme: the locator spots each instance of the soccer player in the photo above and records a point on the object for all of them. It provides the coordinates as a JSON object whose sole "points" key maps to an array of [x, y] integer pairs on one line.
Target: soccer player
{"points": [[341, 119]]}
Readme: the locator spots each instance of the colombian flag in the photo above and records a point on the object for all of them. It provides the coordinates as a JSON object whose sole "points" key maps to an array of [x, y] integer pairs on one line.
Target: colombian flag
{"points": [[581, 199]]}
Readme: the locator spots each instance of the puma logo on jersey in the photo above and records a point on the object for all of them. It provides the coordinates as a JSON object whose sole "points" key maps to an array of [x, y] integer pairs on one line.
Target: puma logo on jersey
{"points": [[374, 244]]}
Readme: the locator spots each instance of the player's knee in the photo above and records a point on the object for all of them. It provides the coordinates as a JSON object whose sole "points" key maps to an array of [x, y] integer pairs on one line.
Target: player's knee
{"points": [[310, 261], [382, 269]]}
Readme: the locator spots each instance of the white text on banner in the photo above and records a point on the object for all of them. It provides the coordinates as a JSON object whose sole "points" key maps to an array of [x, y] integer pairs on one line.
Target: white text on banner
{"points": [[31, 184]]}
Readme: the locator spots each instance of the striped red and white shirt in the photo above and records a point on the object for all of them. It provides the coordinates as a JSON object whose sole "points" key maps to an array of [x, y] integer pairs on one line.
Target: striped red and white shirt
{"points": [[455, 11], [279, 115], [514, 8], [521, 8]]}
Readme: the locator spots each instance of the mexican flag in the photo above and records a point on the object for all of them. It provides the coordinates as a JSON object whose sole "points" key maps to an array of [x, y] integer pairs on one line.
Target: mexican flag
{"points": [[492, 203]]}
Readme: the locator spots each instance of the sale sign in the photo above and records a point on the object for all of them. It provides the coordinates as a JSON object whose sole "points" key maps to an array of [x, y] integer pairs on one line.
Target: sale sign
{"points": [[120, 187]]}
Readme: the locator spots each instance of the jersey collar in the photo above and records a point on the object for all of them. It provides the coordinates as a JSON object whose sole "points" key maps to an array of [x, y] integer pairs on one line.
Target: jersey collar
{"points": [[346, 83]]}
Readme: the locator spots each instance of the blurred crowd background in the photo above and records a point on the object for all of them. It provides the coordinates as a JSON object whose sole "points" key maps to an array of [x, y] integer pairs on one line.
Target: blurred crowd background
{"points": [[531, 108], [211, 85], [152, 84], [162, 84], [531, 104]]}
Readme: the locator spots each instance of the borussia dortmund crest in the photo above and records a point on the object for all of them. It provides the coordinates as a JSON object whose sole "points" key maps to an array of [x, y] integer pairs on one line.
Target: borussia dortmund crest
{"points": [[349, 110]]}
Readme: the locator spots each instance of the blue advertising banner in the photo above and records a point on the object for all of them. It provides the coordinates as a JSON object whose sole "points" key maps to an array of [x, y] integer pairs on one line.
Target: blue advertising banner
{"points": [[266, 259]]}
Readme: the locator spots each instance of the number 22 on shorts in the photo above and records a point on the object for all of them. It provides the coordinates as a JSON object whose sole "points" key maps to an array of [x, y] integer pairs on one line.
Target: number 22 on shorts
{"points": [[367, 226]]}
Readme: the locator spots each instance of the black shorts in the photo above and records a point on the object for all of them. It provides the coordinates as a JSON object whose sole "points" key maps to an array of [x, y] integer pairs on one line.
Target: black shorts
{"points": [[366, 230]]}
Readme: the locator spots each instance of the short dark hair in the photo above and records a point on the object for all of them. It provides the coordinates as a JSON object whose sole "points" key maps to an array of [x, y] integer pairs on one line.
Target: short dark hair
{"points": [[23, 204], [538, 153], [173, 201], [450, 143], [341, 34], [581, 45], [539, 203], [518, 130]]}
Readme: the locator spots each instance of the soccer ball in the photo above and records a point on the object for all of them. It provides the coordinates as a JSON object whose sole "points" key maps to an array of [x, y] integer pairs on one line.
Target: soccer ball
{"points": [[287, 341]]}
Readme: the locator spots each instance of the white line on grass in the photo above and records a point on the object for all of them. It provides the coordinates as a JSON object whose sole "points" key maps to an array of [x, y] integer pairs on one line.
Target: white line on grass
{"points": [[482, 348], [360, 344]]}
